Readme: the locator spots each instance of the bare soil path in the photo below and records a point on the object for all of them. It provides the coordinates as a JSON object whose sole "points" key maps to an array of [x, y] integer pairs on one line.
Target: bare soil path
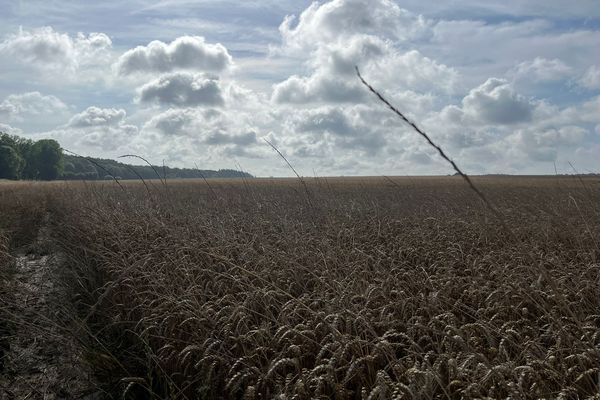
{"points": [[40, 359]]}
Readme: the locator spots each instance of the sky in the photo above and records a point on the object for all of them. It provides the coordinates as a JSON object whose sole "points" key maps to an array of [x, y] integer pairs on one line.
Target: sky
{"points": [[508, 86]]}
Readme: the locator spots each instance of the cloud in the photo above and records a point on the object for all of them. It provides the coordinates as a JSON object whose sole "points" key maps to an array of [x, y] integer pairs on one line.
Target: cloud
{"points": [[419, 158], [184, 121], [413, 71], [333, 129], [564, 136], [340, 59], [183, 90], [209, 126], [496, 102], [545, 145], [500, 141], [493, 84], [243, 139], [542, 70], [201, 134], [331, 21], [334, 79], [369, 144], [591, 78], [42, 46], [186, 52], [332, 50], [515, 8], [333, 121], [96, 131], [47, 49], [319, 87], [480, 47], [31, 105], [334, 116], [581, 113], [95, 116], [4, 128], [172, 122]]}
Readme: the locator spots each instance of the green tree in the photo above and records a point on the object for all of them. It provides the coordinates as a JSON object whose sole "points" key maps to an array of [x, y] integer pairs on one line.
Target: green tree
{"points": [[11, 164], [25, 148], [47, 159], [8, 140]]}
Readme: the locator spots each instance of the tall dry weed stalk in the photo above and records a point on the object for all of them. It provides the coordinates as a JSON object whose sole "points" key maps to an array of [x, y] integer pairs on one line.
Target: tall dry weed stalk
{"points": [[440, 151]]}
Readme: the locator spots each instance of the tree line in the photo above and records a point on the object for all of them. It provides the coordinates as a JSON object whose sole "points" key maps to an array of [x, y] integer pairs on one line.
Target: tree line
{"points": [[22, 158], [44, 159], [88, 168]]}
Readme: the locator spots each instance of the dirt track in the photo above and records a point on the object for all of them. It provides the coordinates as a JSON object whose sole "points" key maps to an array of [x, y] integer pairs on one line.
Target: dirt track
{"points": [[41, 359]]}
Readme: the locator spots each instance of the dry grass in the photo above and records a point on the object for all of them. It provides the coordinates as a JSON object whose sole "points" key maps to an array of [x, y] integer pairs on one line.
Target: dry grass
{"points": [[405, 288], [22, 207]]}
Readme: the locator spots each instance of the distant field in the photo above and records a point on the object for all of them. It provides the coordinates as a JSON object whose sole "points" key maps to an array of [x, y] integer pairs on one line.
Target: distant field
{"points": [[381, 287], [511, 180]]}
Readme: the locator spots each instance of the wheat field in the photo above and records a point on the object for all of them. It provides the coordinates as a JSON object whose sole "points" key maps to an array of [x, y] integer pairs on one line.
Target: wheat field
{"points": [[347, 288]]}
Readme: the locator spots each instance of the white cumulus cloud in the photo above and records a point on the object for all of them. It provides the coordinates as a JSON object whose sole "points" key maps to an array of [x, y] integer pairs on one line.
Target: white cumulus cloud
{"points": [[334, 20], [101, 130], [337, 36], [319, 87], [496, 102], [31, 104], [542, 70], [182, 89], [186, 52], [46, 48], [205, 134], [209, 126], [96, 116]]}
